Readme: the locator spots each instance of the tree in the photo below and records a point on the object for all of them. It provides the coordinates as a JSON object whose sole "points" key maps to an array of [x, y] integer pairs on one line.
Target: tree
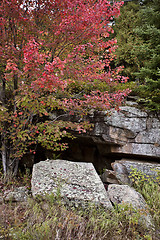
{"points": [[53, 58], [149, 73], [129, 51], [138, 35]]}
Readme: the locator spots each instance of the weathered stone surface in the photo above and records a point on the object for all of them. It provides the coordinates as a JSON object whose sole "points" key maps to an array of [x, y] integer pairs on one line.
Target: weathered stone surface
{"points": [[109, 177], [121, 172], [19, 194], [145, 167], [123, 194], [78, 181], [130, 131]]}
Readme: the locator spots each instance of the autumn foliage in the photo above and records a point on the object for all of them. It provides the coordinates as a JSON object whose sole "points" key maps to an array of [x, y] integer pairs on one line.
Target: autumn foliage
{"points": [[53, 55]]}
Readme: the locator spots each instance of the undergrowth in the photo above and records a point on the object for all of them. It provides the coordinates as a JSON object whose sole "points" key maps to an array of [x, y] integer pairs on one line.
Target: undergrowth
{"points": [[149, 187], [47, 217]]}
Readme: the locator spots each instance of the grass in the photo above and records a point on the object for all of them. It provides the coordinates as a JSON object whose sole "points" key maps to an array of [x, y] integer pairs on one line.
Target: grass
{"points": [[47, 218]]}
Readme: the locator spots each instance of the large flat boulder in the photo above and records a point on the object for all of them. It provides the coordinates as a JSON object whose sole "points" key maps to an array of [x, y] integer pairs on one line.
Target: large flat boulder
{"points": [[78, 182]]}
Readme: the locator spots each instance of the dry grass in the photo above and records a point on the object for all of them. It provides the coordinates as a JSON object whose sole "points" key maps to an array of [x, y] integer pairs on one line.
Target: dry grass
{"points": [[48, 219]]}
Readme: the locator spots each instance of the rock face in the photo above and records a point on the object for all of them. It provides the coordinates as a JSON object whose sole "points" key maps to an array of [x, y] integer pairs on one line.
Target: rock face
{"points": [[122, 169], [146, 168], [124, 194], [78, 182], [130, 131]]}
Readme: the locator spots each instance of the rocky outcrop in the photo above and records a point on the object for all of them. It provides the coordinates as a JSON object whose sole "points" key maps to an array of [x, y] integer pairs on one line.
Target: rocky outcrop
{"points": [[123, 194], [130, 131], [78, 183]]}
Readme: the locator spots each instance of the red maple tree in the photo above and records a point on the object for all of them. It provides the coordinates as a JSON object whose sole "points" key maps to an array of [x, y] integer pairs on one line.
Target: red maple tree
{"points": [[53, 55]]}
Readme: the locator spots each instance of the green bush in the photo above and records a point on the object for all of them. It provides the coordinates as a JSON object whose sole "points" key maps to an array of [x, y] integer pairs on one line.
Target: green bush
{"points": [[149, 187]]}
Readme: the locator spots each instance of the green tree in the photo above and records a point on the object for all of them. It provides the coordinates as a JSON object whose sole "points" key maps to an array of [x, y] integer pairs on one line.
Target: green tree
{"points": [[129, 52], [138, 37], [149, 73]]}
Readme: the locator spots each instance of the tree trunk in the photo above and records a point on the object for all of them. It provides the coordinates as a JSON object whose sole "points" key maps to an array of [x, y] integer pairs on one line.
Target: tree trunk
{"points": [[10, 166], [3, 151], [4, 158]]}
